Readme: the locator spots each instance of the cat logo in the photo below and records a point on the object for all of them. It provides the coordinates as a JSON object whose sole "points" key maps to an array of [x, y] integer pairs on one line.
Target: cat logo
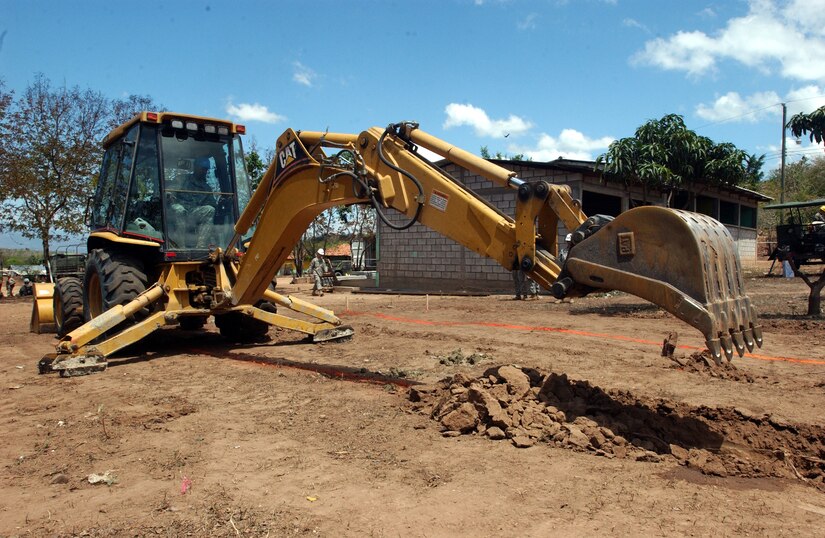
{"points": [[287, 155]]}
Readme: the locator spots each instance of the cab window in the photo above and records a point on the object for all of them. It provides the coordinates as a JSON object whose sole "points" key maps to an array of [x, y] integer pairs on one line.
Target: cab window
{"points": [[143, 211], [199, 200], [105, 184], [126, 152]]}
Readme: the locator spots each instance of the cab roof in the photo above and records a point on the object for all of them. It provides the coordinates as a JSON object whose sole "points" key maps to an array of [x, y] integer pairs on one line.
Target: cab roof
{"points": [[788, 205], [165, 117]]}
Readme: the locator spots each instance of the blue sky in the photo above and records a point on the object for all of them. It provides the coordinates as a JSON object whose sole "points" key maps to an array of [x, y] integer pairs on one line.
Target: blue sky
{"points": [[546, 78]]}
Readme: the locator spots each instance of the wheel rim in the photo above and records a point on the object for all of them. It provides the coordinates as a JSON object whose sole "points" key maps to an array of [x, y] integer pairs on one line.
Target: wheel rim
{"points": [[95, 295]]}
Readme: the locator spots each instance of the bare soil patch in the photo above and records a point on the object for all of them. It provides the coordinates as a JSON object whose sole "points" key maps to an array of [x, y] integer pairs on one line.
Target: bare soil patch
{"points": [[204, 438]]}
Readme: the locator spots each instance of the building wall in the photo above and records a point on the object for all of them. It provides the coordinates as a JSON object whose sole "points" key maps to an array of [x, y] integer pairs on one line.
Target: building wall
{"points": [[418, 258]]}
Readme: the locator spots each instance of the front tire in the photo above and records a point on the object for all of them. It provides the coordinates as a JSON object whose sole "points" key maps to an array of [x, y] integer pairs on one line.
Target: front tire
{"points": [[111, 279], [68, 305]]}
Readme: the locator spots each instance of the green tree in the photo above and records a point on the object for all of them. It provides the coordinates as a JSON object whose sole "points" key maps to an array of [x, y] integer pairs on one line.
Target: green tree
{"points": [[50, 152], [812, 124], [256, 166], [485, 153], [664, 154]]}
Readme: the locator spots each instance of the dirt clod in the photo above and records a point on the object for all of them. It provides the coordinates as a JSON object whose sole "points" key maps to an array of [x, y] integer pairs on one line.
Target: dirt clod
{"points": [[701, 363]]}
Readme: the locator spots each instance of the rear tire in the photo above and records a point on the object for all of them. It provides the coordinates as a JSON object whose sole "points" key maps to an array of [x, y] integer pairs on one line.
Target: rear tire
{"points": [[111, 279], [68, 305]]}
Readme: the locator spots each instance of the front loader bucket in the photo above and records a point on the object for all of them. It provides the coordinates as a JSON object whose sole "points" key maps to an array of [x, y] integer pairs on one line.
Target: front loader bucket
{"points": [[42, 320], [682, 261]]}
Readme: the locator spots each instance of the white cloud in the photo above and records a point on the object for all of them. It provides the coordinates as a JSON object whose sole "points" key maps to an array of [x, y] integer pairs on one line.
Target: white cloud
{"points": [[529, 22], [759, 106], [570, 144], [707, 13], [253, 112], [734, 107], [805, 99], [459, 115], [303, 75], [791, 39], [633, 23]]}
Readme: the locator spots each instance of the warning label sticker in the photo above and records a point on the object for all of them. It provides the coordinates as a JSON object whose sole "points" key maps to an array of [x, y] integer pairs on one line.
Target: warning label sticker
{"points": [[439, 200]]}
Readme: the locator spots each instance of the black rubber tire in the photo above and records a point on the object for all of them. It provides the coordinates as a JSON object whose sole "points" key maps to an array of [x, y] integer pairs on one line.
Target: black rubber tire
{"points": [[111, 279], [237, 327], [68, 305], [192, 323]]}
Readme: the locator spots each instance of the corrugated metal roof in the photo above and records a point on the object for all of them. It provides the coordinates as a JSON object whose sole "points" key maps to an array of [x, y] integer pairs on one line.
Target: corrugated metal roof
{"points": [[590, 167], [788, 205]]}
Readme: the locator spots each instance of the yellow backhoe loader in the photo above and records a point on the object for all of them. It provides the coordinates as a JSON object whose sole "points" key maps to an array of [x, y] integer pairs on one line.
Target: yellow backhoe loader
{"points": [[172, 240]]}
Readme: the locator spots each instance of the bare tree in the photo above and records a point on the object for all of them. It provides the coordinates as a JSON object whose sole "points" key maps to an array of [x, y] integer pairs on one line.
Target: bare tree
{"points": [[122, 110], [50, 152], [357, 222]]}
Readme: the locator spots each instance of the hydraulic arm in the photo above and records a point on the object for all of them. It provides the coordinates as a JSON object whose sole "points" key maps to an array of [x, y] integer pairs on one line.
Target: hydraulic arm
{"points": [[682, 261]]}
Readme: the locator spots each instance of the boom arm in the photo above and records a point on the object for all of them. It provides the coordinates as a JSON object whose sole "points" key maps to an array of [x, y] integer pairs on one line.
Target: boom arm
{"points": [[693, 274]]}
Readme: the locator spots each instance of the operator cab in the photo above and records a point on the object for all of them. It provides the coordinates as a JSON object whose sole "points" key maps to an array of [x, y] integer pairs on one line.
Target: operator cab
{"points": [[173, 180]]}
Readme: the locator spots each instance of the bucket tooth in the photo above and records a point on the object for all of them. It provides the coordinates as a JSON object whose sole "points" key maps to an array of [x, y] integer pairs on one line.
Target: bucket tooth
{"points": [[757, 334], [727, 346], [715, 349], [748, 335], [738, 342]]}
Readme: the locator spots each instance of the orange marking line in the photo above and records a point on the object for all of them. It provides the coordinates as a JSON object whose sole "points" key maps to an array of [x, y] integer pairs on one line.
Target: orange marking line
{"points": [[564, 331]]}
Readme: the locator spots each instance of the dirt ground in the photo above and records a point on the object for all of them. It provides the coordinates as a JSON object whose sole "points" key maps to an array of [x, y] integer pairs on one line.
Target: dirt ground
{"points": [[443, 416]]}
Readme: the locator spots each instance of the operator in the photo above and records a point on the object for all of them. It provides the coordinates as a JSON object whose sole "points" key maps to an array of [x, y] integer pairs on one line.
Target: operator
{"points": [[318, 266], [193, 210]]}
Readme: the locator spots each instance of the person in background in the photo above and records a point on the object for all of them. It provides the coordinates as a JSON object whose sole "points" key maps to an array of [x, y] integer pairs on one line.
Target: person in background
{"points": [[317, 267], [27, 288], [520, 281], [819, 217]]}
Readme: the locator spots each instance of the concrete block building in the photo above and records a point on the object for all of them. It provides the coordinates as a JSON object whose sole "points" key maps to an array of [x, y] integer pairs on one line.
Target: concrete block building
{"points": [[419, 258]]}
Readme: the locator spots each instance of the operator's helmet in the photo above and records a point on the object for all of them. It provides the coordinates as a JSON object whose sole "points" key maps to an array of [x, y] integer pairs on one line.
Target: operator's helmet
{"points": [[26, 281], [320, 252], [822, 208], [203, 162]]}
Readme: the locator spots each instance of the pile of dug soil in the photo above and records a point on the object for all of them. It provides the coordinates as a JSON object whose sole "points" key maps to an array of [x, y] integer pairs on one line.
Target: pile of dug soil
{"points": [[526, 407]]}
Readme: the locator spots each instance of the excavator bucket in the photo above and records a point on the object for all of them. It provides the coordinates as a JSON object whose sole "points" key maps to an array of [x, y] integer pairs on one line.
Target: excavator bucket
{"points": [[684, 262]]}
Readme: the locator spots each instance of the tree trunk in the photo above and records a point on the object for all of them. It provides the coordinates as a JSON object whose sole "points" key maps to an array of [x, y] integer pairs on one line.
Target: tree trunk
{"points": [[815, 297], [46, 258]]}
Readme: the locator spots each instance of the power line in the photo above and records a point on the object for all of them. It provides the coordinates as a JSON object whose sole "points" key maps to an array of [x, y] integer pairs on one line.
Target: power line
{"points": [[796, 153], [754, 111], [738, 116]]}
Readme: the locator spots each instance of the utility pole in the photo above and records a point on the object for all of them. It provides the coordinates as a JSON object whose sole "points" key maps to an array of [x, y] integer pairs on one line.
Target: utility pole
{"points": [[782, 166]]}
